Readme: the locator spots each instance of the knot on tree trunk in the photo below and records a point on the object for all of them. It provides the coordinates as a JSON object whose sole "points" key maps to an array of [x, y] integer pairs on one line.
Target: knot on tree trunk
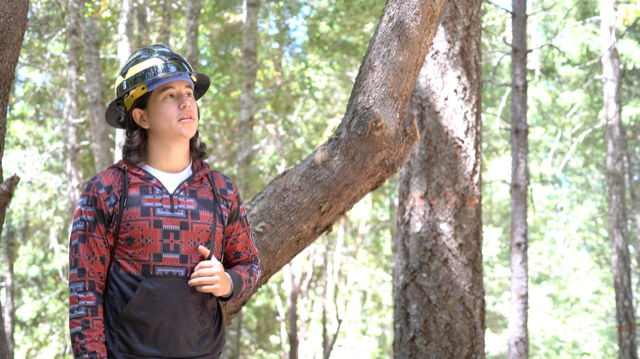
{"points": [[6, 191]]}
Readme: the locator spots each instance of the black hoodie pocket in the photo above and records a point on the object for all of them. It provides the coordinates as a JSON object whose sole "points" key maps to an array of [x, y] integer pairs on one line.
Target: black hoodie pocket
{"points": [[166, 318]]}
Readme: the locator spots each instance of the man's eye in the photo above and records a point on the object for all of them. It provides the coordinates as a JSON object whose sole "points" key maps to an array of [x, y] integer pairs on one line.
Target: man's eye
{"points": [[189, 94], [170, 95]]}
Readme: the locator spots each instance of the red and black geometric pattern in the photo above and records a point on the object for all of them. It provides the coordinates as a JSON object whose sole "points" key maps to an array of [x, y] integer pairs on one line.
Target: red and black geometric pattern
{"points": [[159, 237]]}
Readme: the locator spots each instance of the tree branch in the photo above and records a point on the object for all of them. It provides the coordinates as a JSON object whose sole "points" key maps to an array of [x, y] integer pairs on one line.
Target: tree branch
{"points": [[6, 191], [498, 6], [372, 142]]}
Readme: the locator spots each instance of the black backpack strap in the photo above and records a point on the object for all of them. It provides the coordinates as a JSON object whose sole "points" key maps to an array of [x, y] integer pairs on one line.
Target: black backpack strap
{"points": [[216, 203], [123, 203]]}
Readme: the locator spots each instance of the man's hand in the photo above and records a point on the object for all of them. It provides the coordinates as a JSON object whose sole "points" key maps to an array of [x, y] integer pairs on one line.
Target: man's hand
{"points": [[210, 277]]}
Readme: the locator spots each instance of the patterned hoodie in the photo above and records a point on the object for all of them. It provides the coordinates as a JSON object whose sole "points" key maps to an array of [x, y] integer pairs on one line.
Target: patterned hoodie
{"points": [[146, 309]]}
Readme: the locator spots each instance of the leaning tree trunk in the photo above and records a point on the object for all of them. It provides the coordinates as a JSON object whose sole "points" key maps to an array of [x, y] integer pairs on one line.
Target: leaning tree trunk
{"points": [[124, 51], [518, 334], [371, 143], [192, 14], [72, 112], [13, 23], [614, 138], [438, 291], [100, 143], [250, 10]]}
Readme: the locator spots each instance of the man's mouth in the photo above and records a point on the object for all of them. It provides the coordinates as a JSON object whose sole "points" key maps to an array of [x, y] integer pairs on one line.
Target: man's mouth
{"points": [[186, 118]]}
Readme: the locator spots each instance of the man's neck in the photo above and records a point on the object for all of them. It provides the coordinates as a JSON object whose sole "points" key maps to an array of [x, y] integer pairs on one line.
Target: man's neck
{"points": [[172, 158]]}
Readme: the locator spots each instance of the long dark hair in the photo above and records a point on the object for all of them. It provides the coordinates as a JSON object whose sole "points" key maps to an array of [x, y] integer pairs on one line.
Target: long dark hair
{"points": [[134, 149]]}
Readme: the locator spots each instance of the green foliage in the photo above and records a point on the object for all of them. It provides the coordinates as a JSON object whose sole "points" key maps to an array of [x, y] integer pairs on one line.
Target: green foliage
{"points": [[571, 298]]}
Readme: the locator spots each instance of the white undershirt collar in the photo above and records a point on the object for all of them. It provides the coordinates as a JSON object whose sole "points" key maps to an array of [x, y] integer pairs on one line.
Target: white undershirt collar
{"points": [[169, 180]]}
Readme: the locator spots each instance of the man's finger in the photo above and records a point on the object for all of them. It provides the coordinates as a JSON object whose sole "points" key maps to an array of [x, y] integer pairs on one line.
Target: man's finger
{"points": [[205, 253], [204, 280], [204, 264], [204, 272]]}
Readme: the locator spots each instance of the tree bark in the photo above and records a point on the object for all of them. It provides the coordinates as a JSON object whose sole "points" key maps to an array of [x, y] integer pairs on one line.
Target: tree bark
{"points": [[100, 143], [192, 14], [518, 332], [9, 287], [438, 288], [614, 138], [72, 113], [250, 11], [124, 51], [13, 23], [371, 143]]}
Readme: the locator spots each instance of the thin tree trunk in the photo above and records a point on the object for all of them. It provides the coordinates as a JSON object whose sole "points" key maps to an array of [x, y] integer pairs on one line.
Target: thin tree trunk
{"points": [[142, 15], [614, 138], [635, 205], [9, 287], [13, 23], [124, 51], [333, 275], [164, 34], [305, 305], [281, 319], [100, 143], [438, 289], [72, 112], [292, 278], [248, 108], [231, 348], [243, 182], [372, 142], [518, 332], [192, 14], [325, 296]]}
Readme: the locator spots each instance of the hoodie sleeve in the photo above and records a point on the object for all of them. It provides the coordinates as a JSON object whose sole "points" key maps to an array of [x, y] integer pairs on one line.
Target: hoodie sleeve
{"points": [[89, 256], [240, 255]]}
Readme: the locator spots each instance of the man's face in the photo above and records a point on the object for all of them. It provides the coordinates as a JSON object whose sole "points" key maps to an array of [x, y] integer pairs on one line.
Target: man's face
{"points": [[171, 114]]}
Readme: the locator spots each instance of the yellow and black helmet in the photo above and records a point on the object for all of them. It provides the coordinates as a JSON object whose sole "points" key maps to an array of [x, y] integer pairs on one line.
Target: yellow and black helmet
{"points": [[145, 65]]}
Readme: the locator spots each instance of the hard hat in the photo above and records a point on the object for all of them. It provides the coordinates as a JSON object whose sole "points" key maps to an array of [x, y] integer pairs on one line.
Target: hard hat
{"points": [[144, 65]]}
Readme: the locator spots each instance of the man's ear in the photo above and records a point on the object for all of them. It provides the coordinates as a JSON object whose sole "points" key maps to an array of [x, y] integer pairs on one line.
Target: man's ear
{"points": [[140, 117]]}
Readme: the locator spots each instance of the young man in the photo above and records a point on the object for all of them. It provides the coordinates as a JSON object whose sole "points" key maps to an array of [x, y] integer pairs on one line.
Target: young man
{"points": [[158, 239]]}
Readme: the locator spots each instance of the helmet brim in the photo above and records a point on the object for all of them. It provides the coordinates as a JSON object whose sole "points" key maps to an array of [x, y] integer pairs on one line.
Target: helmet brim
{"points": [[115, 111]]}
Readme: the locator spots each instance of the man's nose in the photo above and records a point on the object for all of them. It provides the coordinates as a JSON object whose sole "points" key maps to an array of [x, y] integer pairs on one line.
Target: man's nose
{"points": [[185, 101]]}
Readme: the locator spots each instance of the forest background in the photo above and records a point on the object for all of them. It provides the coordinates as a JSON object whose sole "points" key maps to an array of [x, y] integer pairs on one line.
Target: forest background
{"points": [[308, 54]]}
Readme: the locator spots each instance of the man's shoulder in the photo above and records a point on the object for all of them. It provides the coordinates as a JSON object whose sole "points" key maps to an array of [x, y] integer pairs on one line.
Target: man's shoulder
{"points": [[224, 184], [107, 185]]}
